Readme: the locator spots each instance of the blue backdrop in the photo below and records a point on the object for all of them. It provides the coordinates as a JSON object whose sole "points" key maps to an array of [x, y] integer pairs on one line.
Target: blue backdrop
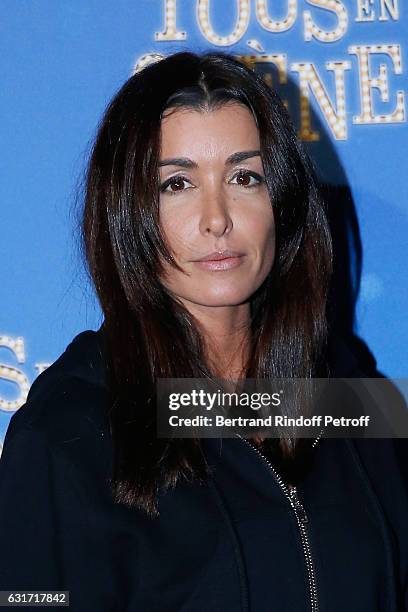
{"points": [[340, 67]]}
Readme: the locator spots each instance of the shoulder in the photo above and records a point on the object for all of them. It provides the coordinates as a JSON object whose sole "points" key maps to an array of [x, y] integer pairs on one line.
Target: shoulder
{"points": [[349, 357], [70, 398], [383, 458]]}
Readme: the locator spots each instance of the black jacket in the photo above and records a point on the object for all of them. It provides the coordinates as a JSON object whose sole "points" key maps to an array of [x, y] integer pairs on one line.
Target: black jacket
{"points": [[242, 542]]}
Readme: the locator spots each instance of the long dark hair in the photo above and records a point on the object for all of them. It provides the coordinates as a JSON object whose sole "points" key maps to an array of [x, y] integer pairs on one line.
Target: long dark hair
{"points": [[148, 334]]}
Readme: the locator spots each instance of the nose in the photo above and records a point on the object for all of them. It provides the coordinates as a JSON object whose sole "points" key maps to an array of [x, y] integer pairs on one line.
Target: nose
{"points": [[215, 216]]}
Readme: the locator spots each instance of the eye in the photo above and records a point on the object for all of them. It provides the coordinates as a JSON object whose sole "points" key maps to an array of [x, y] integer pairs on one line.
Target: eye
{"points": [[174, 184], [244, 177], [174, 181]]}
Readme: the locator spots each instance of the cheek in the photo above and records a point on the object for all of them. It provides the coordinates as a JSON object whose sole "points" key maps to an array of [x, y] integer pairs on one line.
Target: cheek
{"points": [[178, 230], [260, 228]]}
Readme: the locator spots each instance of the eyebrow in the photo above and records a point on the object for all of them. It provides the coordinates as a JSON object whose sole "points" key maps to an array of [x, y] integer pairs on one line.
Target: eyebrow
{"points": [[185, 162]]}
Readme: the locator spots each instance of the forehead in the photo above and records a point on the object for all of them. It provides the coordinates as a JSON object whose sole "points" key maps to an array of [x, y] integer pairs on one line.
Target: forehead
{"points": [[227, 129]]}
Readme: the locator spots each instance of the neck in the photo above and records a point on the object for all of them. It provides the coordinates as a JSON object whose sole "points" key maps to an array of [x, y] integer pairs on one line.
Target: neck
{"points": [[226, 334]]}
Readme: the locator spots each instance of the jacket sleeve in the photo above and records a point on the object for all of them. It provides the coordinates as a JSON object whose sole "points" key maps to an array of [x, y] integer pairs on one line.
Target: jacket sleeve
{"points": [[46, 539]]}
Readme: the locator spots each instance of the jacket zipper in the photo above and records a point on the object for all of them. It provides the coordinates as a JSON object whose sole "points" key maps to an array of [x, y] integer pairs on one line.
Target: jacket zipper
{"points": [[302, 520]]}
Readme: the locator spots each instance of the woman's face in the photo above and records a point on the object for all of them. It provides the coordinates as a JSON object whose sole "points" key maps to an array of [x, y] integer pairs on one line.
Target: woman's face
{"points": [[213, 198]]}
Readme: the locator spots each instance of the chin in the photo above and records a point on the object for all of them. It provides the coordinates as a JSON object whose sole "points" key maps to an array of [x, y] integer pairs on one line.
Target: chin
{"points": [[221, 299]]}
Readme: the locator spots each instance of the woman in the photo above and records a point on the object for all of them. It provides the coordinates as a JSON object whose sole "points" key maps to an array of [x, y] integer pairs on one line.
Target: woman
{"points": [[208, 245]]}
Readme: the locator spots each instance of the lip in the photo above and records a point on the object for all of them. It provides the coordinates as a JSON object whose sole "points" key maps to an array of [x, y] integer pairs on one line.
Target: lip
{"points": [[220, 261], [217, 256]]}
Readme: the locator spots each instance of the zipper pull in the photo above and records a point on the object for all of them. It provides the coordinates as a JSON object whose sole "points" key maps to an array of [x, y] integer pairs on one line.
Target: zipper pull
{"points": [[297, 505]]}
